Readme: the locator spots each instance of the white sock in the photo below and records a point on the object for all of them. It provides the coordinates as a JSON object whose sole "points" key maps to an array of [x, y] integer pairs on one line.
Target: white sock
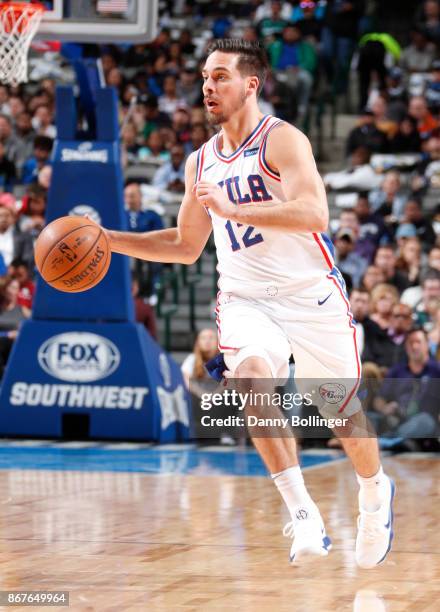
{"points": [[290, 484], [372, 492]]}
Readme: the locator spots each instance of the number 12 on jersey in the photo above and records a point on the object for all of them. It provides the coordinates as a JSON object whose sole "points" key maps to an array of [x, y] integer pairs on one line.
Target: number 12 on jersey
{"points": [[248, 239]]}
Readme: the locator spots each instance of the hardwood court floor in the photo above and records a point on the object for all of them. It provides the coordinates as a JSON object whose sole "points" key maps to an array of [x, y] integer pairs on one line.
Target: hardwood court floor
{"points": [[129, 541]]}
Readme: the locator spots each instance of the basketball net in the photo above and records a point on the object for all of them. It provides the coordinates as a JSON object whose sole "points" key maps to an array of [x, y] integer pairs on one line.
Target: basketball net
{"points": [[19, 23]]}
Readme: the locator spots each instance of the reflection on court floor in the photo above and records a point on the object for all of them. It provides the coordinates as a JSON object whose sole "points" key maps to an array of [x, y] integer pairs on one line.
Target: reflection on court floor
{"points": [[169, 529], [167, 459]]}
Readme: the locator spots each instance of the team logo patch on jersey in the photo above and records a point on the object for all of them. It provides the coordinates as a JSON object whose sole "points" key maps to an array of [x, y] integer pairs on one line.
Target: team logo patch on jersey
{"points": [[333, 393], [250, 152]]}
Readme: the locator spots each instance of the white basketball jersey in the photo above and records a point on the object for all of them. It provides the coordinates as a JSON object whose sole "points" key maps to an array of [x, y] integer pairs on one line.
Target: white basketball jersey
{"points": [[253, 261]]}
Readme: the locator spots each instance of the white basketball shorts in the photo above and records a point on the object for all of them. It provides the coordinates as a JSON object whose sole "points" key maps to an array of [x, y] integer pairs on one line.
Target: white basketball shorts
{"points": [[315, 326]]}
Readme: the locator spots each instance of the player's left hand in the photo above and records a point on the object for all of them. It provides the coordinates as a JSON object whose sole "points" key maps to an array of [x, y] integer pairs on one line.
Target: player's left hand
{"points": [[211, 196]]}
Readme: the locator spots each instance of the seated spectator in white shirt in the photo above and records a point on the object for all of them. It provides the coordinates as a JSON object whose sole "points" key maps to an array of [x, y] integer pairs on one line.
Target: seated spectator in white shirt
{"points": [[389, 199], [170, 101], [359, 176], [419, 55], [13, 243], [43, 122], [171, 176]]}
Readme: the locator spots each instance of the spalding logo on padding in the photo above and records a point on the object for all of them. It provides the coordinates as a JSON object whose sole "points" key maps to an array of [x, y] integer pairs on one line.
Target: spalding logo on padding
{"points": [[79, 357]]}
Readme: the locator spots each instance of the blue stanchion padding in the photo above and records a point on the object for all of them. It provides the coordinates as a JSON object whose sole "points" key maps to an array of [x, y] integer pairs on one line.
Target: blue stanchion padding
{"points": [[82, 353], [87, 177], [88, 369]]}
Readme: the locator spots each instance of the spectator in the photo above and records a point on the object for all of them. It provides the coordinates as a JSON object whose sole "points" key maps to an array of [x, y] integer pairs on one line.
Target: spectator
{"points": [[372, 231], [175, 59], [379, 347], [4, 100], [434, 259], [413, 214], [130, 145], [419, 55], [363, 246], [386, 260], [171, 176], [401, 323], [407, 138], [373, 276], [7, 137], [116, 79], [380, 328], [348, 262], [139, 220], [181, 125], [396, 94], [432, 92], [404, 232], [186, 43], [42, 122], [418, 110], [42, 152], [360, 307], [25, 137], [11, 313], [266, 9], [193, 370], [297, 60], [434, 337], [430, 291], [19, 270], [7, 170], [153, 118], [155, 149], [409, 262], [382, 120], [199, 135], [45, 177], [429, 16], [383, 299], [358, 176], [144, 312], [389, 200], [408, 400], [339, 34], [147, 272], [367, 135], [32, 220], [308, 17], [189, 88], [271, 25], [280, 96], [170, 101], [13, 243]]}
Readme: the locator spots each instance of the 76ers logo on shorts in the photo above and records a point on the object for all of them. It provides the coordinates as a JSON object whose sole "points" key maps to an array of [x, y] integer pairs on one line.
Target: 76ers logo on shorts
{"points": [[332, 393]]}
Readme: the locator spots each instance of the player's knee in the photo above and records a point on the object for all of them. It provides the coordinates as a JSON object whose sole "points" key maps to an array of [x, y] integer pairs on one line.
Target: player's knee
{"points": [[253, 368]]}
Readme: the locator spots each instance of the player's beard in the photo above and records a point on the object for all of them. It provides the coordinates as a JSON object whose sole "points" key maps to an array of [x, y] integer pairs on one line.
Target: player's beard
{"points": [[219, 118]]}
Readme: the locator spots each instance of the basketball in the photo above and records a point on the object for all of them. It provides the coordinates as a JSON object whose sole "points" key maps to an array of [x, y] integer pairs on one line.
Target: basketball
{"points": [[72, 254]]}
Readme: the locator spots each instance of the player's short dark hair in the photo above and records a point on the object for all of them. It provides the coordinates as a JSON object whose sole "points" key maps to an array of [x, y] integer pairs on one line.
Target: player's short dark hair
{"points": [[252, 59]]}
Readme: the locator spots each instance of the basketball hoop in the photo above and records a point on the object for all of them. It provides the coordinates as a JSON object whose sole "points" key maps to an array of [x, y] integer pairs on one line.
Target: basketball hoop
{"points": [[19, 23]]}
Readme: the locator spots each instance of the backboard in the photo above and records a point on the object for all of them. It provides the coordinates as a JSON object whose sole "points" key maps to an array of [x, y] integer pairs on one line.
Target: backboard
{"points": [[99, 21]]}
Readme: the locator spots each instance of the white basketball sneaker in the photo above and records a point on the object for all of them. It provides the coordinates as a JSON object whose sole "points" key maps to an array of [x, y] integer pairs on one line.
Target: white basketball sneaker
{"points": [[310, 540], [375, 531]]}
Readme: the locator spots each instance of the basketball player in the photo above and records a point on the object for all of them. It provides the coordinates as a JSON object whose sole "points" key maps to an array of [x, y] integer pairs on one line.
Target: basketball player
{"points": [[280, 292]]}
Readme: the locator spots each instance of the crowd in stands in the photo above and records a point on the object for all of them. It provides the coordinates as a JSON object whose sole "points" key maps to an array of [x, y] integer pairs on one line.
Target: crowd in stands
{"points": [[387, 192]]}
